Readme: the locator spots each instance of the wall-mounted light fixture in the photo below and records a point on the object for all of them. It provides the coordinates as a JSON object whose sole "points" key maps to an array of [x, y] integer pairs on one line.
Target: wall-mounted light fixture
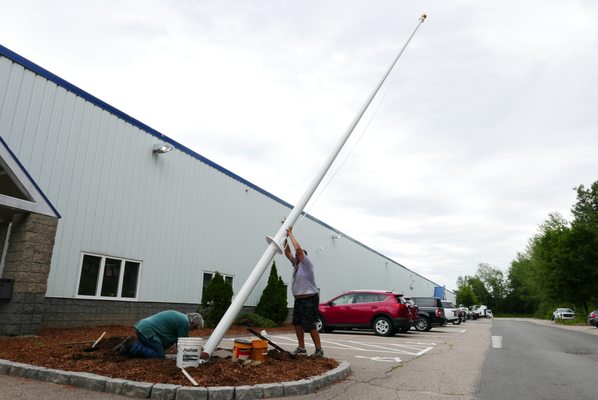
{"points": [[336, 236], [161, 148]]}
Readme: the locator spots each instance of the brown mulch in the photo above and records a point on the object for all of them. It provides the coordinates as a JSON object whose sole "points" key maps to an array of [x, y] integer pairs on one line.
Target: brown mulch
{"points": [[64, 349]]}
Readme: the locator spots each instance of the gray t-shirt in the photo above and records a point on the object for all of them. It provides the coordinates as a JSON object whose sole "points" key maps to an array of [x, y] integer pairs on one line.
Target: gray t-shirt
{"points": [[304, 280]]}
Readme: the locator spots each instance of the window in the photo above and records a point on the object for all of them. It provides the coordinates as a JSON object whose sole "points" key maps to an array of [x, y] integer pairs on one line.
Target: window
{"points": [[108, 277], [346, 299], [207, 279]]}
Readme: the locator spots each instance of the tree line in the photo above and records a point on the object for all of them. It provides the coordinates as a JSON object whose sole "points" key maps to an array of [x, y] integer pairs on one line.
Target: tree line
{"points": [[558, 268]]}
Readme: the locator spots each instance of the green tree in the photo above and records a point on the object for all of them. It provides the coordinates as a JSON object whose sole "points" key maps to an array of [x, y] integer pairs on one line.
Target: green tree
{"points": [[549, 262], [584, 241], [480, 291], [273, 302], [521, 295], [495, 285], [560, 264], [585, 210], [216, 299], [466, 296]]}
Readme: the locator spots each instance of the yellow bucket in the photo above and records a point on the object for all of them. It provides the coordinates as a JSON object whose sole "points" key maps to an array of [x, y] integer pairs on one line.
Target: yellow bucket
{"points": [[259, 349], [241, 349]]}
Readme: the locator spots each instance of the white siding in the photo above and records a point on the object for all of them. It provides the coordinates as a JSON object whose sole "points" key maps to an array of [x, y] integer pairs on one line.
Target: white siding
{"points": [[176, 214]]}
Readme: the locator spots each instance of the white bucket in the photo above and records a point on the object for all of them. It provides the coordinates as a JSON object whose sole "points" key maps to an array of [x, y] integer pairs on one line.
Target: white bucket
{"points": [[188, 350]]}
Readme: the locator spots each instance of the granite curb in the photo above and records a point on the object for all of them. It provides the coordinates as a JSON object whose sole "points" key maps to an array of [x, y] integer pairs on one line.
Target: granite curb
{"points": [[162, 391]]}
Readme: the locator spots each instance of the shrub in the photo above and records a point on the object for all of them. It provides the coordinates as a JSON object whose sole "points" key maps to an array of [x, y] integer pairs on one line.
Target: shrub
{"points": [[273, 302], [216, 300], [254, 320]]}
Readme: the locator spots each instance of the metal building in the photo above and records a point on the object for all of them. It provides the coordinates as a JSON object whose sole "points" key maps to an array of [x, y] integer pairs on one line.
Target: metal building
{"points": [[129, 228]]}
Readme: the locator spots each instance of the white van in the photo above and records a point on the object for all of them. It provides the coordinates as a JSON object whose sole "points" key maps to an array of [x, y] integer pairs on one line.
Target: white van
{"points": [[483, 311]]}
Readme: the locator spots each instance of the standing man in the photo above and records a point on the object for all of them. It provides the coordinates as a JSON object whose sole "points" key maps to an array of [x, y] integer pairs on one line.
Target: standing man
{"points": [[307, 299], [158, 332]]}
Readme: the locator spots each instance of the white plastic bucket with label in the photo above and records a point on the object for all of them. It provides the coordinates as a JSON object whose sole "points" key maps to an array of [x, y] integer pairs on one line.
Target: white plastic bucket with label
{"points": [[188, 350]]}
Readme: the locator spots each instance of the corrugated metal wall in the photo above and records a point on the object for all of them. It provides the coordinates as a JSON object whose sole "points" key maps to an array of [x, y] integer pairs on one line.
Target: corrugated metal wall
{"points": [[178, 215]]}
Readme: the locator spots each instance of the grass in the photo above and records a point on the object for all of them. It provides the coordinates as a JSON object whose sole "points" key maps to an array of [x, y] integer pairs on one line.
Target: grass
{"points": [[575, 321]]}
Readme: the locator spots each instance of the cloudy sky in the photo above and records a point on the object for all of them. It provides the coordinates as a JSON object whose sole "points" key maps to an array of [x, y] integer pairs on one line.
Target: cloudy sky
{"points": [[487, 123]]}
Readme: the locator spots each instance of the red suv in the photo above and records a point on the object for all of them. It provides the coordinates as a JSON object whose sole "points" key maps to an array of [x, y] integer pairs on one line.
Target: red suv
{"points": [[384, 312]]}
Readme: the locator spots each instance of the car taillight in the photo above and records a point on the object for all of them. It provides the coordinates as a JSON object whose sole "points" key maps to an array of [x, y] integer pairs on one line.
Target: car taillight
{"points": [[438, 312]]}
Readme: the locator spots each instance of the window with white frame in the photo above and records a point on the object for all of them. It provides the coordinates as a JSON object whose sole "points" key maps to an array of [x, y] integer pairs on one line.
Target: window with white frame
{"points": [[108, 277], [207, 279]]}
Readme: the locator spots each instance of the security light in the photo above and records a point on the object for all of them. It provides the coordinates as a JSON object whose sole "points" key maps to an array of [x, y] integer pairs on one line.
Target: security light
{"points": [[160, 148]]}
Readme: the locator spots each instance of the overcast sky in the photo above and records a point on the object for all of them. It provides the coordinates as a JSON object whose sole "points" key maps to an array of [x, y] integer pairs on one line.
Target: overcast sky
{"points": [[487, 123]]}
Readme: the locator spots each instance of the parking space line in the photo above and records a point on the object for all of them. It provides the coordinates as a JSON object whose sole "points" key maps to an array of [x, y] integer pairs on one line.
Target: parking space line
{"points": [[344, 346], [395, 348], [411, 348], [423, 343], [387, 344]]}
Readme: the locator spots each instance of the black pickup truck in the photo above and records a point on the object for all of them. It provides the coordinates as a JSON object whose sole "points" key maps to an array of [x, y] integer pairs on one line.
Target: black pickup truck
{"points": [[431, 313]]}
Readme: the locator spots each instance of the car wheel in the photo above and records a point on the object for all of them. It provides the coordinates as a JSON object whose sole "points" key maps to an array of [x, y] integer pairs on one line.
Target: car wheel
{"points": [[423, 324], [383, 327], [320, 326], [457, 321]]}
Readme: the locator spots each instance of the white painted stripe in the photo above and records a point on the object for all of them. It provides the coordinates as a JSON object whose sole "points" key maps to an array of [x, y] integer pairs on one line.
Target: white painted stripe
{"points": [[424, 351], [346, 346], [497, 342], [402, 348]]}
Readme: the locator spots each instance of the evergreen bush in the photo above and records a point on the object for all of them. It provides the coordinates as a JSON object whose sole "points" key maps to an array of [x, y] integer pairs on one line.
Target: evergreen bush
{"points": [[216, 300], [254, 320], [273, 302]]}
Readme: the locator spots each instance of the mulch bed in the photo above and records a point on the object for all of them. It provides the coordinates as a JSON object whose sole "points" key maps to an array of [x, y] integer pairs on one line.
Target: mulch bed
{"points": [[64, 349]]}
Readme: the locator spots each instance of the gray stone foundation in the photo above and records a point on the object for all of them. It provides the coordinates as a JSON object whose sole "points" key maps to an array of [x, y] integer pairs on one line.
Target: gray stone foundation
{"points": [[27, 263], [66, 313]]}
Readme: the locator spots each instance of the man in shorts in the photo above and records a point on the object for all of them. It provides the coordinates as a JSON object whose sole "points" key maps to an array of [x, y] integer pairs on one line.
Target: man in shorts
{"points": [[307, 299]]}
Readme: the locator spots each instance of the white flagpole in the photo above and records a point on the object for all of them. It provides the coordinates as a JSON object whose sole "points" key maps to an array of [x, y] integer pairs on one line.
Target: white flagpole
{"points": [[275, 244]]}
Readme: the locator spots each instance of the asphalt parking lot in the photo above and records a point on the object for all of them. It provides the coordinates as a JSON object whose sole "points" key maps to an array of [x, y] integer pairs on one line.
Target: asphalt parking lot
{"points": [[444, 363]]}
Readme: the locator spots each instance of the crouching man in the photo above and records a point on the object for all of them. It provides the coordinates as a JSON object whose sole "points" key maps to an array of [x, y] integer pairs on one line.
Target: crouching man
{"points": [[158, 332]]}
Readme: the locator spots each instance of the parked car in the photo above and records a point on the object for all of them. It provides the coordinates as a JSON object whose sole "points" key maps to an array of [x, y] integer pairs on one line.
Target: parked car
{"points": [[384, 312], [563, 313], [472, 313], [451, 312], [489, 313], [593, 318], [431, 313]]}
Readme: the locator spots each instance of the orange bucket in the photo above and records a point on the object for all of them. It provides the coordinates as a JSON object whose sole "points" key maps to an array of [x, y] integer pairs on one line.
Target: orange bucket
{"points": [[259, 349], [241, 349]]}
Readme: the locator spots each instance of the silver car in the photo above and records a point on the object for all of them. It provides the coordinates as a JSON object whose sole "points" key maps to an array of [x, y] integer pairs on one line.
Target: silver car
{"points": [[563, 313]]}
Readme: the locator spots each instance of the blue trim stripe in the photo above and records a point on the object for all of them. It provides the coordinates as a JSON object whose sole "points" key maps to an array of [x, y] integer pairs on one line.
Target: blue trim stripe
{"points": [[105, 106], [14, 157]]}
